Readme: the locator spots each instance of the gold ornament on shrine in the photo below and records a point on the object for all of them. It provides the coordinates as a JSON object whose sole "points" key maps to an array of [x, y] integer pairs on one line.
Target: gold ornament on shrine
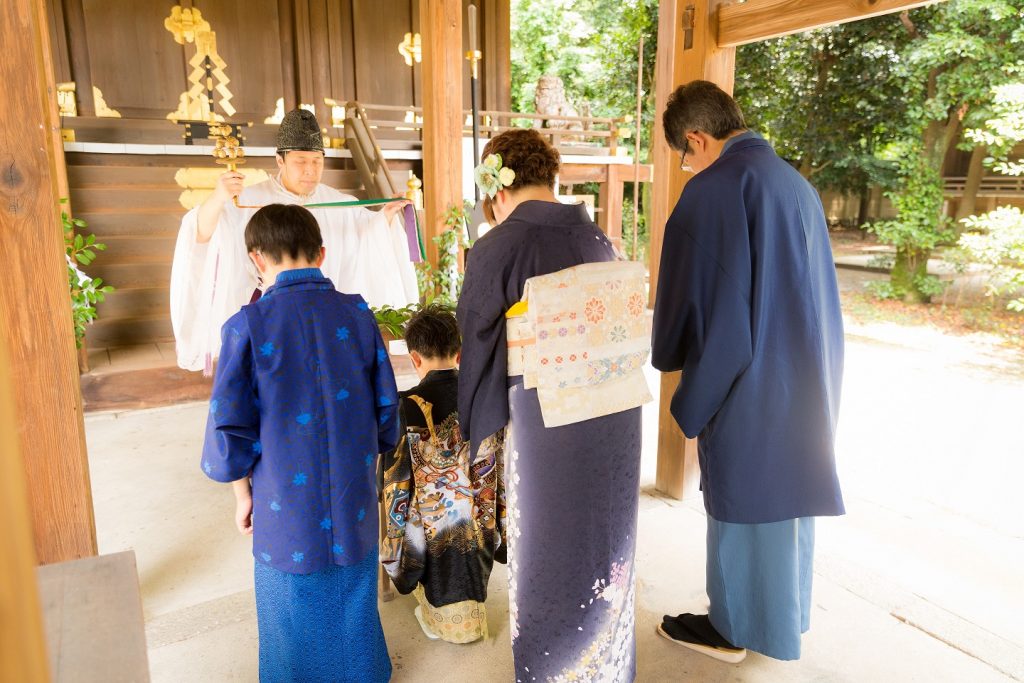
{"points": [[411, 48], [207, 76]]}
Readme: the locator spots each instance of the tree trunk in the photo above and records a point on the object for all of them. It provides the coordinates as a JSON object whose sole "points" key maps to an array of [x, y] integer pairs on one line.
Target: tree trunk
{"points": [[975, 171], [863, 207], [805, 167], [910, 268]]}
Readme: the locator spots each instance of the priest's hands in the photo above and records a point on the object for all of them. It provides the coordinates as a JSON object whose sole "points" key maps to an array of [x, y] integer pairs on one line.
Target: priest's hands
{"points": [[392, 209], [229, 186]]}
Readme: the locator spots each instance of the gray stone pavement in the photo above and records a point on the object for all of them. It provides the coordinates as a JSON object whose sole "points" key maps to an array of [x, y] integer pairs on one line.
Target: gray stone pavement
{"points": [[920, 581]]}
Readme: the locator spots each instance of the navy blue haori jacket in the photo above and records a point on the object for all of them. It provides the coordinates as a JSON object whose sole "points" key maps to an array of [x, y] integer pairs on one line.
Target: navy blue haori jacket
{"points": [[748, 309]]}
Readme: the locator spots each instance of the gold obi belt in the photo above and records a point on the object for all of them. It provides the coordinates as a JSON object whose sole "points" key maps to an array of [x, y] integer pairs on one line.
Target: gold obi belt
{"points": [[581, 337]]}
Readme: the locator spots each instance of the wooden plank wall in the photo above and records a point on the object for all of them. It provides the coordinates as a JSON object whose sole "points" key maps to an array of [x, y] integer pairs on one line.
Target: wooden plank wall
{"points": [[299, 50], [130, 203]]}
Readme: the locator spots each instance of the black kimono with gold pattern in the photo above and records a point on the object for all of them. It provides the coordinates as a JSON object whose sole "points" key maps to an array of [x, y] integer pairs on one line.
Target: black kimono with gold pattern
{"points": [[444, 512]]}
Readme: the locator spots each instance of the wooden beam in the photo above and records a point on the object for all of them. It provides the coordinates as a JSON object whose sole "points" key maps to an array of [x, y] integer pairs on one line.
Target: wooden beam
{"points": [[681, 58], [35, 320], [756, 20], [441, 31]]}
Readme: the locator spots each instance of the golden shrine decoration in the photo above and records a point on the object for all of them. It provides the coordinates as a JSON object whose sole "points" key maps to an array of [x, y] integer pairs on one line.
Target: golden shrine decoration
{"points": [[414, 191], [411, 48], [207, 76], [66, 102], [101, 105], [198, 183], [278, 114]]}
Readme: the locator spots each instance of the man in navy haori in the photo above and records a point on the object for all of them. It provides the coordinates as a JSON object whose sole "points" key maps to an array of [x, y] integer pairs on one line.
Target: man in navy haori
{"points": [[748, 309], [303, 400]]}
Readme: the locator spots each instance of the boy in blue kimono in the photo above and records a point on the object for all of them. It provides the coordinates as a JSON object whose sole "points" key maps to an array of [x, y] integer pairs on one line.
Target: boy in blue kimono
{"points": [[748, 309], [304, 398]]}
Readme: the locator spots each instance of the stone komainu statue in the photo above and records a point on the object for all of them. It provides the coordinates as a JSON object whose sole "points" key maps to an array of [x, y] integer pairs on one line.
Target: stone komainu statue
{"points": [[550, 100]]}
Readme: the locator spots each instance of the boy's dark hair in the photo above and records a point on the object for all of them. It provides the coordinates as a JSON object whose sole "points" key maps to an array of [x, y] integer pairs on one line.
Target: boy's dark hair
{"points": [[433, 332], [700, 106], [279, 229]]}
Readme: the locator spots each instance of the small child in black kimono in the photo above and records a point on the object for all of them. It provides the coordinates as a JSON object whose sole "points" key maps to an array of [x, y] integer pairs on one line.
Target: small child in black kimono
{"points": [[444, 512]]}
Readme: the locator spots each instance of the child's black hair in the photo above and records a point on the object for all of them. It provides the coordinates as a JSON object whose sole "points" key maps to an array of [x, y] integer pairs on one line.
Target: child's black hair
{"points": [[279, 229], [433, 332]]}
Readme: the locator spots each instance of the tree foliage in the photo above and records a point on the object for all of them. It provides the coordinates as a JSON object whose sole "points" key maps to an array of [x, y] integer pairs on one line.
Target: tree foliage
{"points": [[592, 46], [85, 291], [881, 102], [996, 238], [828, 100]]}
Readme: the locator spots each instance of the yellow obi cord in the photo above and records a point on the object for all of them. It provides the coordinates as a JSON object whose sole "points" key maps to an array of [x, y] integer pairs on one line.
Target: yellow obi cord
{"points": [[520, 308]]}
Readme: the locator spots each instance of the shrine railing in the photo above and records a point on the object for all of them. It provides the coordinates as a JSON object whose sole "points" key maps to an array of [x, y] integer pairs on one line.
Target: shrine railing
{"points": [[991, 186], [594, 135]]}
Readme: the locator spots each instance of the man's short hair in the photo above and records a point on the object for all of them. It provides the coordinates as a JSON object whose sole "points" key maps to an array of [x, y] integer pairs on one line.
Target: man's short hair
{"points": [[433, 332], [279, 229], [700, 106]]}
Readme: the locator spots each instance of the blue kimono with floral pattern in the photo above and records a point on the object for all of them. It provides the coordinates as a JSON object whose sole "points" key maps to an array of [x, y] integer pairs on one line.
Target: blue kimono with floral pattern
{"points": [[304, 398]]}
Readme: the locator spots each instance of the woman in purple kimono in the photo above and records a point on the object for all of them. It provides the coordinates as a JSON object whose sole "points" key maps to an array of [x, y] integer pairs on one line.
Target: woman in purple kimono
{"points": [[572, 491]]}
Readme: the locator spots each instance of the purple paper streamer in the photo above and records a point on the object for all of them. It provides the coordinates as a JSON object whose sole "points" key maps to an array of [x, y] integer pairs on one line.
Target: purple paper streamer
{"points": [[410, 233]]}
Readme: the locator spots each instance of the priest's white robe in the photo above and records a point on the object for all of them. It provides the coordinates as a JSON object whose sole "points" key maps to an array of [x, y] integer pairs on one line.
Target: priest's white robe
{"points": [[210, 282]]}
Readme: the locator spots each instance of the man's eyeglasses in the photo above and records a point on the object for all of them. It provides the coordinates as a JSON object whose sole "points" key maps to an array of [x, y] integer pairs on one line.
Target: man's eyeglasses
{"points": [[686, 150]]}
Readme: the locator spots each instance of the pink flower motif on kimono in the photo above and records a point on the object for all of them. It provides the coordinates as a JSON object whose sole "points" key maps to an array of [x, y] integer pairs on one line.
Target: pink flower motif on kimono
{"points": [[594, 310], [635, 305], [616, 588], [562, 331]]}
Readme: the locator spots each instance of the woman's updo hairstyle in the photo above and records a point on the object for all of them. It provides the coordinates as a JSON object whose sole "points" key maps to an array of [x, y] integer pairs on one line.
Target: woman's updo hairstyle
{"points": [[526, 152]]}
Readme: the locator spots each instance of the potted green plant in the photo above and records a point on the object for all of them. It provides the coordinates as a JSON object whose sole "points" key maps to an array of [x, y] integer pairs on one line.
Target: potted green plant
{"points": [[85, 291]]}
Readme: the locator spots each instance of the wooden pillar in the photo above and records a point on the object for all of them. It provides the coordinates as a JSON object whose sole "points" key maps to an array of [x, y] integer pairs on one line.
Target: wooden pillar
{"points": [[35, 318], [683, 55], [441, 31], [609, 198], [22, 647]]}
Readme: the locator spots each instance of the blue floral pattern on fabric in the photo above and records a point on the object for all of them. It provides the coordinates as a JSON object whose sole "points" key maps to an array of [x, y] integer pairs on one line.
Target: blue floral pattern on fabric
{"points": [[299, 412]]}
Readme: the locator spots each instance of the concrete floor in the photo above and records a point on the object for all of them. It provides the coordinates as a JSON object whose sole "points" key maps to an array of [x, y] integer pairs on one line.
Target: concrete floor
{"points": [[920, 581]]}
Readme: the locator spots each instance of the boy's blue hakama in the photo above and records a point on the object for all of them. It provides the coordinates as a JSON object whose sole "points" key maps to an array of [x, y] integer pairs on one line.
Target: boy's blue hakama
{"points": [[322, 626]]}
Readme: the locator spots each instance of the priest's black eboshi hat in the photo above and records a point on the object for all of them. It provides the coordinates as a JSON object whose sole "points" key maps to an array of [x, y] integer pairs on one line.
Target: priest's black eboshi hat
{"points": [[299, 132]]}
